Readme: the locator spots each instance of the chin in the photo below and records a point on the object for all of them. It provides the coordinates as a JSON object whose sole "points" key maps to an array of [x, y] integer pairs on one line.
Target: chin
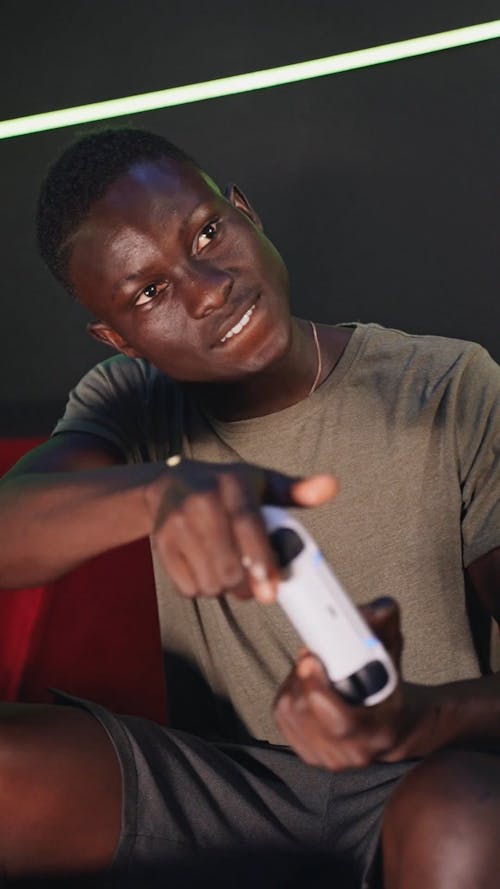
{"points": [[272, 350]]}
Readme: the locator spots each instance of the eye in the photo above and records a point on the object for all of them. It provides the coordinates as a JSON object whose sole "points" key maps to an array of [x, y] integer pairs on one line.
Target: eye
{"points": [[151, 292], [208, 233]]}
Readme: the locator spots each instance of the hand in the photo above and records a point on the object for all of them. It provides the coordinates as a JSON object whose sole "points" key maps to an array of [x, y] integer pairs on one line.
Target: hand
{"points": [[326, 731], [208, 530]]}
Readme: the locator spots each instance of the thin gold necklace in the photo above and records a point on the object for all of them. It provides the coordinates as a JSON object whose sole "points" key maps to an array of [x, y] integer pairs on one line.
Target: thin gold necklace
{"points": [[318, 356]]}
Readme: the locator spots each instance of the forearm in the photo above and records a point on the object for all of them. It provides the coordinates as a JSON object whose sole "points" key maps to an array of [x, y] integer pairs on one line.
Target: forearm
{"points": [[448, 715], [52, 522]]}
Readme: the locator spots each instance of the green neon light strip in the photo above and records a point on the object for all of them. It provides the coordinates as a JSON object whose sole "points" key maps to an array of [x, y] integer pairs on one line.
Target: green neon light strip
{"points": [[255, 80]]}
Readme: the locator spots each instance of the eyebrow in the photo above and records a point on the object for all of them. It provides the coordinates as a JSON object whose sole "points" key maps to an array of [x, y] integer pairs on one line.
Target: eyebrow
{"points": [[129, 279], [140, 272]]}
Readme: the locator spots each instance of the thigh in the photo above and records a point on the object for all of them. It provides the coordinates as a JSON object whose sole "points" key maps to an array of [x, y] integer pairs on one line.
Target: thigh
{"points": [[60, 790], [183, 794]]}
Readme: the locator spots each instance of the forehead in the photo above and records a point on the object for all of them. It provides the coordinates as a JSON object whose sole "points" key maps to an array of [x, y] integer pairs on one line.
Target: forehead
{"points": [[126, 220], [155, 186]]}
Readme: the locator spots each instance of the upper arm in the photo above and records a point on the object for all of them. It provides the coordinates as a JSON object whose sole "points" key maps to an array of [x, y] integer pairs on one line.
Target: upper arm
{"points": [[485, 576], [478, 437], [477, 431], [68, 452], [105, 422], [123, 407]]}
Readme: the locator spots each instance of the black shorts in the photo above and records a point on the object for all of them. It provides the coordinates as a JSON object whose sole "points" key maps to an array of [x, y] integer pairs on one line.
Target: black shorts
{"points": [[187, 797]]}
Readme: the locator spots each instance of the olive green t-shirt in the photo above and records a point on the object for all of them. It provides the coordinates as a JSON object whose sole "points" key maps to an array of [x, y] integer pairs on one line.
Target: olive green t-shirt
{"points": [[410, 425]]}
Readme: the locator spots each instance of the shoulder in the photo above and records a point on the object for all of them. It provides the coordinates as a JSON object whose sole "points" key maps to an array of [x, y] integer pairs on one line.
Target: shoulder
{"points": [[121, 372], [427, 361], [123, 380], [129, 402], [436, 351]]}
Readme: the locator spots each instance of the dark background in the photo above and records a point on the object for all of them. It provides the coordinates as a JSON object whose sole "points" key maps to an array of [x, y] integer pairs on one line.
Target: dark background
{"points": [[379, 186]]}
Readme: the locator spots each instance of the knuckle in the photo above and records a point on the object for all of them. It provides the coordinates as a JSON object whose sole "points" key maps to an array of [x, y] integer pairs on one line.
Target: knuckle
{"points": [[186, 589], [336, 764], [231, 482], [241, 592], [208, 583], [232, 574], [343, 724], [211, 592], [387, 739], [310, 757], [174, 524], [330, 760], [283, 706], [201, 502], [360, 758], [301, 707]]}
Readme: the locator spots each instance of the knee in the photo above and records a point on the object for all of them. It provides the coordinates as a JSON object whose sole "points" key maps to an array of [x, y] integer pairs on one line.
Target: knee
{"points": [[452, 783], [443, 818]]}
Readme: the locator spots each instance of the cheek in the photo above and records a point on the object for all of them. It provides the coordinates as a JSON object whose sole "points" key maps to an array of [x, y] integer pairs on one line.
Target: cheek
{"points": [[257, 250], [153, 326], [273, 264], [166, 340]]}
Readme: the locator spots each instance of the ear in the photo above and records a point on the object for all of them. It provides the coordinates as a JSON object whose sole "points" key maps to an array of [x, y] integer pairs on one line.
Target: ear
{"points": [[238, 199], [104, 334]]}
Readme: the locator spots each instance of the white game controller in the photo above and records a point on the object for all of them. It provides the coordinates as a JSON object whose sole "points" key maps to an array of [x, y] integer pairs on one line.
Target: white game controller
{"points": [[324, 616]]}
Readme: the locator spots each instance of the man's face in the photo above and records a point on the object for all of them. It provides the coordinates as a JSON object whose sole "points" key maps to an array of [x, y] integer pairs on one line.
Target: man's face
{"points": [[180, 275]]}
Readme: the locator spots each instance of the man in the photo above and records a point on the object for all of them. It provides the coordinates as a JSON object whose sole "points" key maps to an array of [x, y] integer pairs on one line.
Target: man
{"points": [[182, 281]]}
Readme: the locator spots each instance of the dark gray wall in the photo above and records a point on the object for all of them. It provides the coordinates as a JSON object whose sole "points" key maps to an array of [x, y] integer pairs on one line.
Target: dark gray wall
{"points": [[379, 186]]}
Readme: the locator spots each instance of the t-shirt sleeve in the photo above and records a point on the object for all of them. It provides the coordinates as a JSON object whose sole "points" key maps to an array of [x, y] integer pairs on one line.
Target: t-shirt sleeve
{"points": [[125, 402], [478, 442]]}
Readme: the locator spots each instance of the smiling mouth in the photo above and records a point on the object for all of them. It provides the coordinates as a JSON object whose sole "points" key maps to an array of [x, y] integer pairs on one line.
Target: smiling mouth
{"points": [[238, 327]]}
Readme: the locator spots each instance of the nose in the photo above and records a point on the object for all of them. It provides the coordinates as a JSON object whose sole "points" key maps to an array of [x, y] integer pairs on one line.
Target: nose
{"points": [[206, 288]]}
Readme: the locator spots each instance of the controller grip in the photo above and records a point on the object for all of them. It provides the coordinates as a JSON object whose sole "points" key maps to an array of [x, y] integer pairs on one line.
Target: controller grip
{"points": [[325, 618]]}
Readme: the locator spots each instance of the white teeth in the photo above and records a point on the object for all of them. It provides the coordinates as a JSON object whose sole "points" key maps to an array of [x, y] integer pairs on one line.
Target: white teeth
{"points": [[240, 325]]}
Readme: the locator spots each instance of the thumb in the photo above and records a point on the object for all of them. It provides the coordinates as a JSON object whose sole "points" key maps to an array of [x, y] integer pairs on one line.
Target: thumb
{"points": [[283, 490]]}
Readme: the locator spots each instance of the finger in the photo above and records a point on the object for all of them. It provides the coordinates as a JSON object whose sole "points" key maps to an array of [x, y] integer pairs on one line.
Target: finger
{"points": [[384, 618], [316, 684], [326, 705], [314, 491], [309, 666], [258, 558], [341, 737], [293, 733], [325, 728], [180, 545], [252, 540], [219, 567], [176, 567], [180, 540], [305, 729], [292, 721], [284, 490], [339, 718]]}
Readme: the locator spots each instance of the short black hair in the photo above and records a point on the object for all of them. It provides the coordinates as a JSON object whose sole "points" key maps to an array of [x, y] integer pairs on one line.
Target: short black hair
{"points": [[81, 175]]}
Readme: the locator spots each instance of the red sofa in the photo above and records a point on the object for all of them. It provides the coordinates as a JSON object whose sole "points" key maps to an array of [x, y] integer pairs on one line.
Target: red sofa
{"points": [[93, 633]]}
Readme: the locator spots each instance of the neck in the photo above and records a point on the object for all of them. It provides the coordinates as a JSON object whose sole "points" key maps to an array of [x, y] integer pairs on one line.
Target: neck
{"points": [[287, 381]]}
